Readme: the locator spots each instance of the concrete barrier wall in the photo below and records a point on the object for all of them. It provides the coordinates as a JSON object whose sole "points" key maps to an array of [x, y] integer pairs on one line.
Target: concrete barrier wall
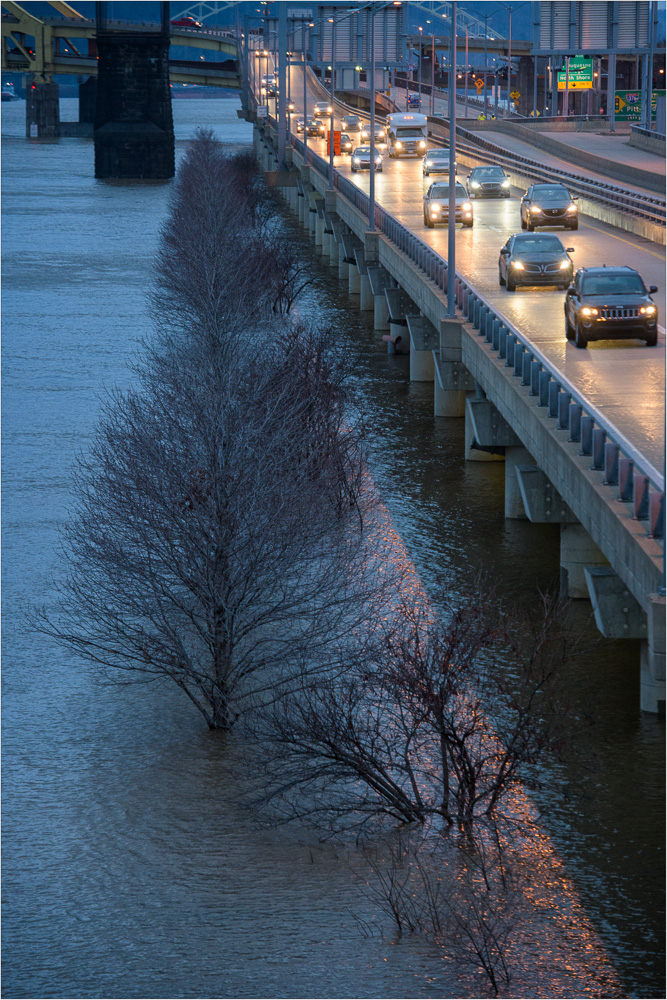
{"points": [[652, 144], [522, 178]]}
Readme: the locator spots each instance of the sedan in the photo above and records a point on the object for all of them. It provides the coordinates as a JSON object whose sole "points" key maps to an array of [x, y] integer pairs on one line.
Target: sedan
{"points": [[313, 127], [366, 133], [300, 124], [436, 161], [540, 259], [351, 123], [361, 159], [488, 182], [322, 109], [346, 144], [186, 22], [548, 205], [436, 205]]}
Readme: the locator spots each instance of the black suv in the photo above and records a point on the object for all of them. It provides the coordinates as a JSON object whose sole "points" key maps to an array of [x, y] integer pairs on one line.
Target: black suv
{"points": [[610, 303]]}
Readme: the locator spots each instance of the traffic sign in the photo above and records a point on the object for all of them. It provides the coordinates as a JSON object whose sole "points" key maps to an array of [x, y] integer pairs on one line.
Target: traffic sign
{"points": [[629, 104], [480, 85], [579, 76], [336, 142], [515, 95], [262, 111]]}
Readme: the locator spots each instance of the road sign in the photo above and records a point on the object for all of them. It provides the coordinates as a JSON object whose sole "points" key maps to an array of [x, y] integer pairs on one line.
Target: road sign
{"points": [[336, 140], [262, 111], [629, 104], [480, 85], [580, 75], [515, 95]]}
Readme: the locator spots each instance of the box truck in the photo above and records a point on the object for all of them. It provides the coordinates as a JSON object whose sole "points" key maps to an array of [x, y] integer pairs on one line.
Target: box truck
{"points": [[406, 134]]}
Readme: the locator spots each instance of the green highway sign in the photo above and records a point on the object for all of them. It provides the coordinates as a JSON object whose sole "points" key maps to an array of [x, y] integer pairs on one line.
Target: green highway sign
{"points": [[629, 104], [580, 75]]}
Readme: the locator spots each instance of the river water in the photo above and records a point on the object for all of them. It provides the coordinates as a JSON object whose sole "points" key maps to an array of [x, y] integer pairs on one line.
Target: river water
{"points": [[127, 869]]}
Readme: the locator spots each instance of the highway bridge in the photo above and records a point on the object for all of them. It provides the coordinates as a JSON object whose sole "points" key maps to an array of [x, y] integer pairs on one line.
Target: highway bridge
{"points": [[581, 432]]}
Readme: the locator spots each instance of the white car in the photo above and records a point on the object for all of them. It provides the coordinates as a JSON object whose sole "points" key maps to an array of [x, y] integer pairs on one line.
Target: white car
{"points": [[436, 205], [436, 161], [361, 159], [322, 109], [366, 133]]}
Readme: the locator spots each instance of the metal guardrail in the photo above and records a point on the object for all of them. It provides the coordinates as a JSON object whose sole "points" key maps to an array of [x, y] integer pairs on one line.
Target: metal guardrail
{"points": [[651, 133], [620, 462], [644, 206]]}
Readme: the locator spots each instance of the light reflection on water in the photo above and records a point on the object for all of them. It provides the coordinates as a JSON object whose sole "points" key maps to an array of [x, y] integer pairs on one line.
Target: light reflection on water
{"points": [[127, 870]]}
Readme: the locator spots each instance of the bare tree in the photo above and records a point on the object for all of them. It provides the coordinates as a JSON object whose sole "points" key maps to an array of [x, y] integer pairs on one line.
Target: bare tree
{"points": [[222, 536], [438, 719]]}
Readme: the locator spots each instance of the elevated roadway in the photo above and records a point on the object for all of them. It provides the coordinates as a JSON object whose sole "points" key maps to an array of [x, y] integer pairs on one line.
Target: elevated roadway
{"points": [[623, 378]]}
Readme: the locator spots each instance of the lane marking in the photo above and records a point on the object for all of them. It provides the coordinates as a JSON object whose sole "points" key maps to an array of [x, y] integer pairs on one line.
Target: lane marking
{"points": [[637, 246]]}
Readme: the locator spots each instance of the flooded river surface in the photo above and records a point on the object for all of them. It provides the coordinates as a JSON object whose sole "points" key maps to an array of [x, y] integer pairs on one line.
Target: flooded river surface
{"points": [[127, 869]]}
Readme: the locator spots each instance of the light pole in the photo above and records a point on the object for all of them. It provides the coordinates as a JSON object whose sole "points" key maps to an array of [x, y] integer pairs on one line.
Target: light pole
{"points": [[451, 221], [306, 38], [374, 9], [331, 119], [421, 53]]}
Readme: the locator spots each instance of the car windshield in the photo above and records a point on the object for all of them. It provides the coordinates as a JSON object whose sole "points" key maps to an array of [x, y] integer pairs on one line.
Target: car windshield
{"points": [[551, 192], [362, 151], [487, 172], [613, 284], [538, 244], [351, 118], [442, 191], [409, 133], [438, 154]]}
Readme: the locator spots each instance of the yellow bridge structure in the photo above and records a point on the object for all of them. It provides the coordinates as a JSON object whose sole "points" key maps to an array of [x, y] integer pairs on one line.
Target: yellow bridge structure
{"points": [[66, 45]]}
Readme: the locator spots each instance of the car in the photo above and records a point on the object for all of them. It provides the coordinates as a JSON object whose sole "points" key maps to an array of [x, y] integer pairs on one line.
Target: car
{"points": [[186, 22], [361, 159], [488, 182], [436, 161], [291, 106], [315, 127], [322, 109], [366, 133], [436, 205], [610, 303], [300, 124], [535, 259], [548, 205], [346, 144], [351, 123]]}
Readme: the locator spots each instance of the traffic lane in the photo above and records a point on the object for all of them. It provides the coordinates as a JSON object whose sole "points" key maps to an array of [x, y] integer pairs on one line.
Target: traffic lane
{"points": [[625, 379]]}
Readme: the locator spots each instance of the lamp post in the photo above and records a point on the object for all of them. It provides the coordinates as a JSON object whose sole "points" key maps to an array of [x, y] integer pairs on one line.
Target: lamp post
{"points": [[451, 222], [421, 53], [371, 181], [331, 119], [306, 38]]}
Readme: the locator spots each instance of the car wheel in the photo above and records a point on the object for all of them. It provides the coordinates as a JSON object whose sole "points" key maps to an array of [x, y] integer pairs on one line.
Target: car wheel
{"points": [[569, 329], [580, 339], [354, 170], [467, 225], [530, 227], [428, 223], [426, 173], [575, 226], [508, 195], [652, 339], [523, 222], [511, 285], [501, 280]]}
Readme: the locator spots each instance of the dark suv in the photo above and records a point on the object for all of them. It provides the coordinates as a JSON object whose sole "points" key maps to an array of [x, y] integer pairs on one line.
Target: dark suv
{"points": [[610, 303]]}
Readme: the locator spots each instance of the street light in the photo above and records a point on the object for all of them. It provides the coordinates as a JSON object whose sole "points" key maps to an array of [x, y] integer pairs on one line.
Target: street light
{"points": [[332, 22], [451, 221], [374, 9], [421, 52]]}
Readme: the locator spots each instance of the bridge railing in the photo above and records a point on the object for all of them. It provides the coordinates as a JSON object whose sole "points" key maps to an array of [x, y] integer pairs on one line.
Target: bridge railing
{"points": [[622, 465]]}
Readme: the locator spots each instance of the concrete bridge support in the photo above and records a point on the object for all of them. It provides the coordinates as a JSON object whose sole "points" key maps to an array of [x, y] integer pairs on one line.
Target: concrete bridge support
{"points": [[134, 131], [487, 433], [380, 279], [366, 298], [653, 654], [578, 552], [42, 111], [424, 339], [452, 378]]}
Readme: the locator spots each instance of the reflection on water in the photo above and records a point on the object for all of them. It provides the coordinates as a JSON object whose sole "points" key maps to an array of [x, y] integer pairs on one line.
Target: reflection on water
{"points": [[128, 871]]}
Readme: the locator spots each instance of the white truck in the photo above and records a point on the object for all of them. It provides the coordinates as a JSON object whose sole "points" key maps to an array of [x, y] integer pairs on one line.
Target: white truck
{"points": [[406, 134]]}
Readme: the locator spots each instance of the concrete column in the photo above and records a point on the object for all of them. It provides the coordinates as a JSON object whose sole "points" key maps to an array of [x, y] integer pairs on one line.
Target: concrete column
{"points": [[577, 550], [476, 454], [353, 280], [333, 252], [312, 224], [448, 402], [514, 507], [653, 652], [367, 299], [380, 312], [42, 111], [319, 229]]}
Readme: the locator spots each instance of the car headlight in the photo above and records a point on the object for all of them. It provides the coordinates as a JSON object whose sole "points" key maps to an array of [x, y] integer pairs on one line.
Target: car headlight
{"points": [[572, 208], [435, 209], [648, 310], [535, 208], [378, 162], [564, 264], [505, 183], [422, 145], [518, 265], [474, 184], [399, 145], [429, 163], [356, 161], [589, 311], [466, 207]]}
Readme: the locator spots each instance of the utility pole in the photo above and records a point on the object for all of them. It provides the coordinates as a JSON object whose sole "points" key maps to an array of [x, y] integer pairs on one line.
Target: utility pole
{"points": [[451, 222]]}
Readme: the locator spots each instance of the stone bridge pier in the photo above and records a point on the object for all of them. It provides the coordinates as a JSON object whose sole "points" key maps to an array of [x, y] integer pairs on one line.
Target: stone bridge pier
{"points": [[134, 131]]}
